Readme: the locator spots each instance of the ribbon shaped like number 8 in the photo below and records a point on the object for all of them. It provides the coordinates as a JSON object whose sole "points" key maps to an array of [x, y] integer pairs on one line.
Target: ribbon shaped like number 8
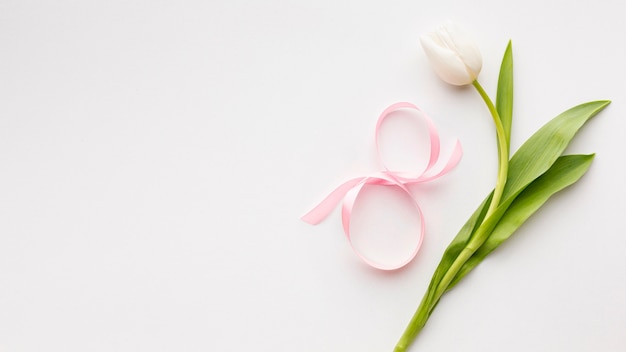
{"points": [[349, 190]]}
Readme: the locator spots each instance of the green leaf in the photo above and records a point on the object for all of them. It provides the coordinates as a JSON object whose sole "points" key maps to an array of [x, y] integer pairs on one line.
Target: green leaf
{"points": [[563, 173], [504, 96], [455, 247], [533, 159], [542, 149]]}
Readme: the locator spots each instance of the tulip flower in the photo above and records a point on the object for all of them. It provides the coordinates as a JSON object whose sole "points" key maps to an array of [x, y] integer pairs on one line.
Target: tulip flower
{"points": [[457, 60], [453, 54], [537, 170]]}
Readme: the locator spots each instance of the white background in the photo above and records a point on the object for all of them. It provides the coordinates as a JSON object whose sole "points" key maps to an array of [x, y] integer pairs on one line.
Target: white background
{"points": [[155, 158]]}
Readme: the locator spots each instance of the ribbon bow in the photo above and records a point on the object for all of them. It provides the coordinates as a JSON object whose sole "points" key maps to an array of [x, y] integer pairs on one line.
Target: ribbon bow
{"points": [[349, 190]]}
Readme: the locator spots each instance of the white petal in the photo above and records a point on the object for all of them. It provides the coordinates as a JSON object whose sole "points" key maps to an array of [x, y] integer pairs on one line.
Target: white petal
{"points": [[446, 62], [465, 47]]}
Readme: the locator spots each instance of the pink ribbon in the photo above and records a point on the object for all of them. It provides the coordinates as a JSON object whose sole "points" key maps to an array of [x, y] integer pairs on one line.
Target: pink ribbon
{"points": [[349, 190]]}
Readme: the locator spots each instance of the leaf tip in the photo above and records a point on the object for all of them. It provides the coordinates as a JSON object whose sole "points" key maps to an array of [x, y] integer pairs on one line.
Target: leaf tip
{"points": [[509, 48], [603, 103], [597, 105]]}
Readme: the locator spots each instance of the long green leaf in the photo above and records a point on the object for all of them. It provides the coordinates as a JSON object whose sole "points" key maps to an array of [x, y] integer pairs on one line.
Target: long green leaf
{"points": [[563, 173], [532, 159], [542, 149], [504, 97], [455, 247]]}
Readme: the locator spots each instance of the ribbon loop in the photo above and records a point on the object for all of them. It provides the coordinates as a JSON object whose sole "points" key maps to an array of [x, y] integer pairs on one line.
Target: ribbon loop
{"points": [[349, 190]]}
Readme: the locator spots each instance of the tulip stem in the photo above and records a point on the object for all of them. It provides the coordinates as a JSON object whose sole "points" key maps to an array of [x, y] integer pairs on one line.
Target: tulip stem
{"points": [[503, 150], [434, 293]]}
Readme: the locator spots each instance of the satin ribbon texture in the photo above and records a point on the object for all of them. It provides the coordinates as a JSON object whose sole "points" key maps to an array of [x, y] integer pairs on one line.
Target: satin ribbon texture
{"points": [[349, 190]]}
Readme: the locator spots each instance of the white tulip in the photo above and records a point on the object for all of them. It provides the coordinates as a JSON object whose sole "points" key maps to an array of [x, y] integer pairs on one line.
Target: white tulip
{"points": [[454, 55]]}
